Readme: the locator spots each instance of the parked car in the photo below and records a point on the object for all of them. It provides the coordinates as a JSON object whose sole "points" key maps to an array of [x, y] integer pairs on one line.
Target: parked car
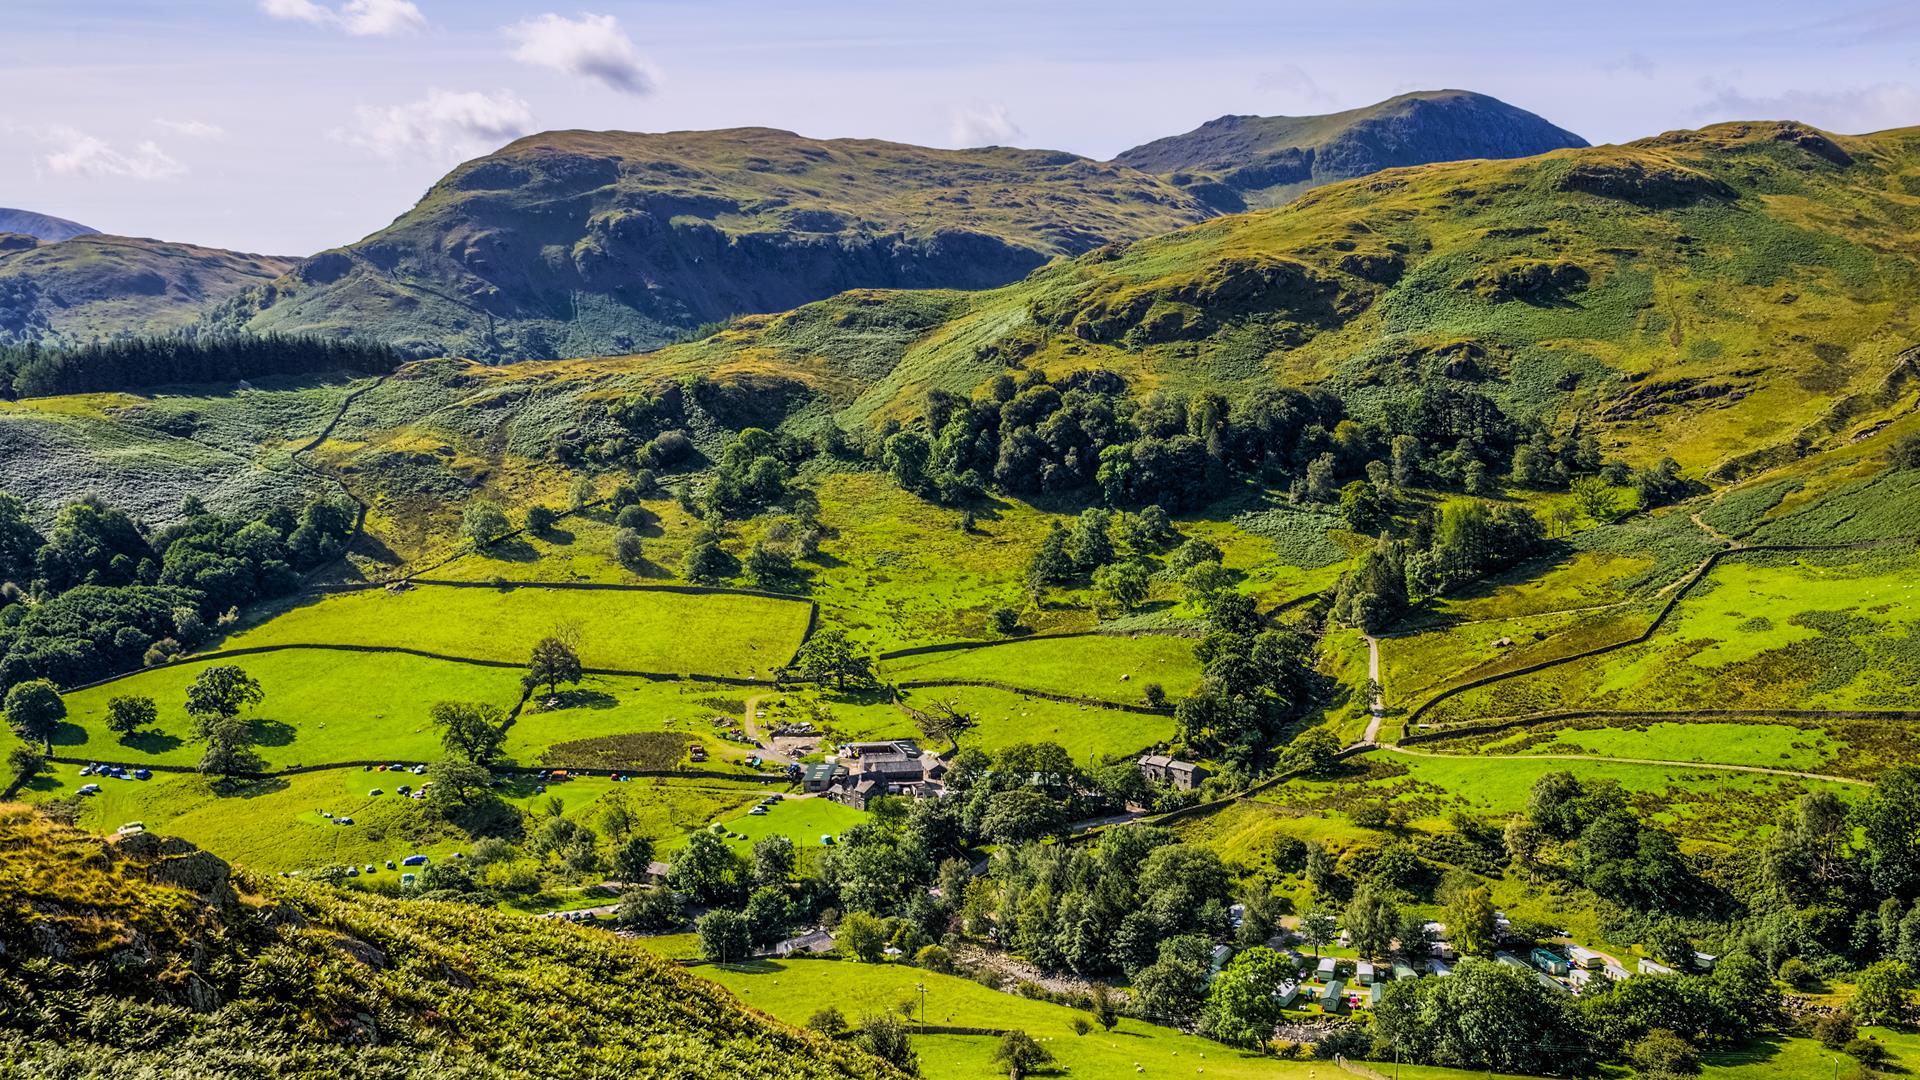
{"points": [[90, 789], [143, 774]]}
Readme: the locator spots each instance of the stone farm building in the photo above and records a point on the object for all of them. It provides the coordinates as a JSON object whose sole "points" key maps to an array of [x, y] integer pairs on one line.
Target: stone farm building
{"points": [[867, 770], [1161, 769]]}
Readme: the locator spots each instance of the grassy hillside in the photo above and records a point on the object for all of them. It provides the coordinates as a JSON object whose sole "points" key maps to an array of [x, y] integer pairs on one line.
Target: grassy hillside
{"points": [[1237, 162], [1734, 297], [577, 242], [188, 971], [93, 285]]}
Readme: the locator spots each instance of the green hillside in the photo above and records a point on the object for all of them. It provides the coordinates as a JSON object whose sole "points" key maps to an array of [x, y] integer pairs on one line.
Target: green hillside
{"points": [[94, 285], [576, 242], [191, 971], [1237, 162], [1732, 297]]}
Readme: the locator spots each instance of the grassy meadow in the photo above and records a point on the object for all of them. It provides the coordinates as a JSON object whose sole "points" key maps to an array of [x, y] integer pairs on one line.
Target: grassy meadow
{"points": [[740, 636]]}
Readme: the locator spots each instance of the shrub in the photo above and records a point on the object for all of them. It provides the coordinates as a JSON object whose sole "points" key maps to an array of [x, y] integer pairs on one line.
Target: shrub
{"points": [[1835, 1029], [1005, 621], [827, 1021], [935, 958], [1798, 974]]}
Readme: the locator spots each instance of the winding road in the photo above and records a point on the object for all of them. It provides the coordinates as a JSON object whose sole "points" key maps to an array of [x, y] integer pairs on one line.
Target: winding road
{"points": [[1378, 705]]}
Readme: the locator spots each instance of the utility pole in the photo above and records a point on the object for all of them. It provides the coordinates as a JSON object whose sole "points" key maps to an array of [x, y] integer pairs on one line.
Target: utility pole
{"points": [[923, 1003]]}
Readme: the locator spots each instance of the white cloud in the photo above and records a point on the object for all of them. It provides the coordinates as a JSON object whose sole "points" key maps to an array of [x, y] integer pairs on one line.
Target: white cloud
{"points": [[363, 18], [591, 47], [297, 11], [192, 129], [444, 125], [381, 18], [983, 125], [76, 153], [1849, 111]]}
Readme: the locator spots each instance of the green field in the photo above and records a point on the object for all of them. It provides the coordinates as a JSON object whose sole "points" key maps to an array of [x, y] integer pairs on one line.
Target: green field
{"points": [[645, 631], [793, 990], [269, 825], [320, 706], [804, 820], [1821, 630], [1085, 731], [1774, 746], [586, 729], [1103, 667]]}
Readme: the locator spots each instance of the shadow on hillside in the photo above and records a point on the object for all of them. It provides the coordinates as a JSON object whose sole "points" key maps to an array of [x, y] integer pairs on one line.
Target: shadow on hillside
{"points": [[238, 787], [152, 742], [582, 699], [557, 536], [825, 561], [68, 733], [512, 549], [270, 732]]}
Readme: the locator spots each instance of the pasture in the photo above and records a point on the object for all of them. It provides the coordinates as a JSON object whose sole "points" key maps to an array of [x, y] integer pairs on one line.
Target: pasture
{"points": [[737, 636], [320, 706], [1102, 667], [793, 990]]}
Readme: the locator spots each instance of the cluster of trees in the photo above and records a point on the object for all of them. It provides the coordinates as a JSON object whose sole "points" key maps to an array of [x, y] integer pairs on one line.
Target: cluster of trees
{"points": [[1112, 552], [1141, 904], [97, 595], [32, 370], [1588, 832], [1257, 681], [1084, 434], [214, 702], [1467, 540]]}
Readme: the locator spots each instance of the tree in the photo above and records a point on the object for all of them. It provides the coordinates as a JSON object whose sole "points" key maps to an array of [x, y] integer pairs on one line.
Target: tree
{"points": [[127, 714], [1312, 752], [863, 936], [829, 655], [1360, 507], [768, 566], [34, 711], [457, 783], [1206, 580], [629, 549], [1890, 819], [884, 1035], [905, 456], [472, 729], [1485, 1016], [945, 720], [769, 914], [541, 518], [1241, 1009], [632, 860], [1020, 815], [1087, 543], [828, 1021], [220, 692], [1317, 928], [229, 746], [1880, 993], [774, 860], [581, 494], [1125, 584], [482, 522], [705, 869], [1470, 921], [1661, 1054], [649, 911], [553, 662], [25, 763], [1371, 921], [1104, 1009], [1596, 499], [724, 935], [1020, 1054]]}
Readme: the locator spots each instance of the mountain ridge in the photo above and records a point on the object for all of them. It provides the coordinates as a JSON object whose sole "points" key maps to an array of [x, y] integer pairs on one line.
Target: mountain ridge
{"points": [[42, 227], [1248, 162]]}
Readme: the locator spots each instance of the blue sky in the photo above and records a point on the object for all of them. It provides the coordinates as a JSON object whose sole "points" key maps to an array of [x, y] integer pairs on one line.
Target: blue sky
{"points": [[289, 126]]}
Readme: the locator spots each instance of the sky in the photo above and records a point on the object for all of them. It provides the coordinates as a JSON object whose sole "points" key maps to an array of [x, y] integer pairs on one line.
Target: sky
{"points": [[290, 126]]}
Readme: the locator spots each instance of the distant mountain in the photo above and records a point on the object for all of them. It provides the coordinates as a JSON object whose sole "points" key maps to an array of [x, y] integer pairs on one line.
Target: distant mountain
{"points": [[577, 242], [1241, 162], [41, 226], [96, 285]]}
